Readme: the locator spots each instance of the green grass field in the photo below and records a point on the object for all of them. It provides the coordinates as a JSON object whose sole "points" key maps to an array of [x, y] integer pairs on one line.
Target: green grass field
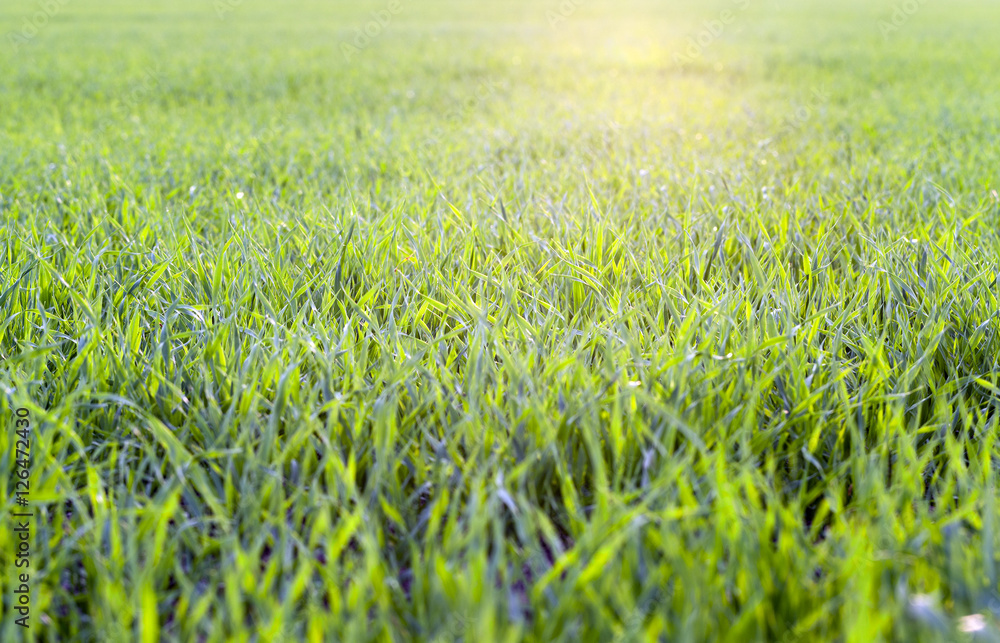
{"points": [[513, 321]]}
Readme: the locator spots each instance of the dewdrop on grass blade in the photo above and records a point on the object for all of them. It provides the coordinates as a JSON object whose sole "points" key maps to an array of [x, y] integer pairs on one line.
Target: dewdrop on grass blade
{"points": [[972, 623]]}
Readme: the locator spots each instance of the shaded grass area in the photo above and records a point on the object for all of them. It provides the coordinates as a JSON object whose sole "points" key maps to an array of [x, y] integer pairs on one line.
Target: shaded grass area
{"points": [[503, 331]]}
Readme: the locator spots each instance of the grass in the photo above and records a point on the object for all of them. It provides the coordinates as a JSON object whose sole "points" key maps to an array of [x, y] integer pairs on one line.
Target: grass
{"points": [[503, 330]]}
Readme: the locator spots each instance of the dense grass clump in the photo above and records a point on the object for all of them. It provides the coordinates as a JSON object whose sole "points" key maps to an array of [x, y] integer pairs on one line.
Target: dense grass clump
{"points": [[519, 322]]}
